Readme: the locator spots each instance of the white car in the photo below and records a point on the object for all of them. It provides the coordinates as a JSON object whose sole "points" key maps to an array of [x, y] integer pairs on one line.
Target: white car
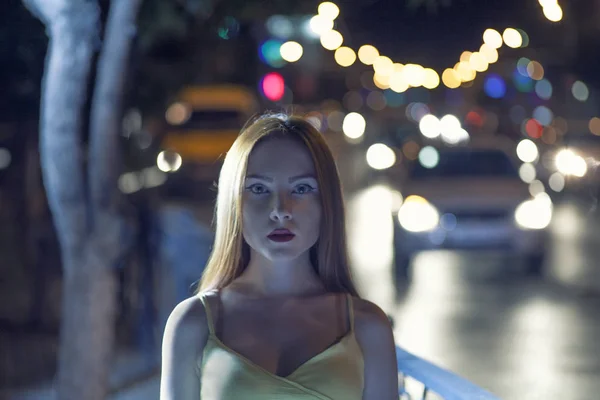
{"points": [[470, 199]]}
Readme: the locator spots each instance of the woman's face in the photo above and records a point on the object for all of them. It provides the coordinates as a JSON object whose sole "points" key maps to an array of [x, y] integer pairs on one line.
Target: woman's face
{"points": [[281, 200]]}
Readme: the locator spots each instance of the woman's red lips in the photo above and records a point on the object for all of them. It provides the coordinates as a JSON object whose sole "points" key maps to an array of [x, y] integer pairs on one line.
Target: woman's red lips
{"points": [[281, 235]]}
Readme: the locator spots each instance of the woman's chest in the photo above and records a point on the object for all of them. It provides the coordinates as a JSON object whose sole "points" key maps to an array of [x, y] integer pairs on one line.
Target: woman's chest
{"points": [[279, 339]]}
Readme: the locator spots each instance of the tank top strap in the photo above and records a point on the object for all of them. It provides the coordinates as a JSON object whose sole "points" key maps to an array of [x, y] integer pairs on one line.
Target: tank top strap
{"points": [[209, 318], [350, 311]]}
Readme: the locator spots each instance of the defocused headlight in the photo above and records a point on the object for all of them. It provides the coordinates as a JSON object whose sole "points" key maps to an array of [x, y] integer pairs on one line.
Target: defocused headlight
{"points": [[535, 213], [570, 163], [418, 215]]}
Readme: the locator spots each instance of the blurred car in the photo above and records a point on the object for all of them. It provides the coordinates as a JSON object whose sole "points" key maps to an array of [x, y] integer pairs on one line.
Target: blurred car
{"points": [[469, 199], [202, 124]]}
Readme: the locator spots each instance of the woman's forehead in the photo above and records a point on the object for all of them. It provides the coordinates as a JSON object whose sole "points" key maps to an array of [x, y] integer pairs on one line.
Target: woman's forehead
{"points": [[280, 155]]}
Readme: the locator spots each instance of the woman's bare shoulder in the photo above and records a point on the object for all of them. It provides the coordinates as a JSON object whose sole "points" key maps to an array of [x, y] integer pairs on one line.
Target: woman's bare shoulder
{"points": [[187, 325], [369, 318]]}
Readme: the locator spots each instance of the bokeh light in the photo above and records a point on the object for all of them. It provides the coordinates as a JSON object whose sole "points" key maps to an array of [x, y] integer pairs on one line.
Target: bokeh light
{"points": [[478, 62], [492, 38], [553, 12], [376, 101], [527, 172], [280, 26], [331, 40], [328, 10], [354, 125], [168, 161], [430, 126], [178, 113], [291, 51], [465, 56], [523, 83], [543, 89], [397, 82], [512, 38], [494, 86], [429, 157], [527, 151], [535, 70], [489, 53], [450, 78], [533, 128], [379, 156], [594, 126], [556, 182], [367, 54], [270, 53], [273, 86], [345, 56], [522, 64], [431, 79], [580, 91], [543, 115], [383, 65], [319, 25]]}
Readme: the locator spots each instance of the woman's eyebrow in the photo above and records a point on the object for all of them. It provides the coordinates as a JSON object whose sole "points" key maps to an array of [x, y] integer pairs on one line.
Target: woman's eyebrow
{"points": [[303, 176], [261, 177], [292, 179]]}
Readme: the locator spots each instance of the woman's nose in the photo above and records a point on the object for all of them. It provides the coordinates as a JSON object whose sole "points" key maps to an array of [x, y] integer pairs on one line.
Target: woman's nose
{"points": [[281, 208]]}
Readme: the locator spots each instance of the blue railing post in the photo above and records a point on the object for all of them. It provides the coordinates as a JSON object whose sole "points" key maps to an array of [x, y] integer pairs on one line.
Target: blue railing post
{"points": [[436, 379]]}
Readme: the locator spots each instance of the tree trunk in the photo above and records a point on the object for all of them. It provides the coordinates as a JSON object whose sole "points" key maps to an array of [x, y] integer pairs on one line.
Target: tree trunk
{"points": [[88, 226]]}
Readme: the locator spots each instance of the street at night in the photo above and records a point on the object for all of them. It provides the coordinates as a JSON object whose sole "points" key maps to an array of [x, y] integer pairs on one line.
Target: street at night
{"points": [[466, 137]]}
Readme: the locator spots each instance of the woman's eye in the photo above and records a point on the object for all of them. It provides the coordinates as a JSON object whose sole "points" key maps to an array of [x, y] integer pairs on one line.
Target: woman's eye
{"points": [[302, 189], [257, 189]]}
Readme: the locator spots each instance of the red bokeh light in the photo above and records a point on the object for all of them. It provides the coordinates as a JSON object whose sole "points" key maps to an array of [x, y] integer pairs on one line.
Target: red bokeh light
{"points": [[273, 86], [534, 129]]}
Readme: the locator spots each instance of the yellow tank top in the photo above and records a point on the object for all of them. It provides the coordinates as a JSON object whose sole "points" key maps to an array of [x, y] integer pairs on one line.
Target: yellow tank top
{"points": [[334, 374]]}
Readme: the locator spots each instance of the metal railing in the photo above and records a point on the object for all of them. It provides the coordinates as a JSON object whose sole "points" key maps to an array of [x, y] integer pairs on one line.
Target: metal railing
{"points": [[434, 379]]}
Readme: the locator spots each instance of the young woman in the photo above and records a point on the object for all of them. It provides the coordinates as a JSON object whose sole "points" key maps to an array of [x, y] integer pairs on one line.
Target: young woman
{"points": [[277, 315]]}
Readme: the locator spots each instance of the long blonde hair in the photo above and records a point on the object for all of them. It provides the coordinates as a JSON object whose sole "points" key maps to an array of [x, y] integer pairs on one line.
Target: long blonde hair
{"points": [[231, 254]]}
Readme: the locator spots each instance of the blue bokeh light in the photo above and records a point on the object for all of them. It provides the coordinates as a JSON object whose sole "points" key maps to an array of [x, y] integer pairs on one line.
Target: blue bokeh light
{"points": [[494, 86]]}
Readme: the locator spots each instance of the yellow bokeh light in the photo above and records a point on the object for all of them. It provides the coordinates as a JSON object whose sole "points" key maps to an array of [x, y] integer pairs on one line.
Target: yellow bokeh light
{"points": [[398, 83], [478, 62], [489, 53], [345, 56], [465, 56], [492, 38], [381, 81], [512, 38], [465, 72], [431, 79], [367, 54], [329, 10], [291, 51], [383, 65], [450, 78], [397, 67], [414, 74], [331, 40], [553, 12], [319, 24], [535, 70]]}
